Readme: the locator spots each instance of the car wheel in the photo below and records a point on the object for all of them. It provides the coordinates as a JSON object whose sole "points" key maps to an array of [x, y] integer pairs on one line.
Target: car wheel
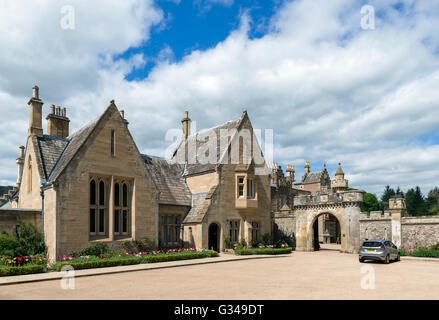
{"points": [[361, 260], [398, 257], [387, 260]]}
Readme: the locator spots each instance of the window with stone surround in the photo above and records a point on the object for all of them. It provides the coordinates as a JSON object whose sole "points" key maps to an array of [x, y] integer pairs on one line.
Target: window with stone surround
{"points": [[245, 185], [234, 231], [29, 175], [256, 231], [98, 207], [170, 230], [122, 212], [113, 143]]}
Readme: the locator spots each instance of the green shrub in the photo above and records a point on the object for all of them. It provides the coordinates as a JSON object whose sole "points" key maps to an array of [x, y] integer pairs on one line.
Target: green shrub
{"points": [[425, 253], [228, 242], [98, 263], [402, 252], [273, 251], [29, 240], [29, 269], [7, 245], [212, 254], [244, 252], [95, 249], [173, 257], [137, 246]]}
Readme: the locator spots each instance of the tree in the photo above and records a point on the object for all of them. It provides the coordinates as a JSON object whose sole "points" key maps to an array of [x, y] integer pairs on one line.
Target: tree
{"points": [[415, 202], [370, 203], [399, 192], [432, 202], [387, 194]]}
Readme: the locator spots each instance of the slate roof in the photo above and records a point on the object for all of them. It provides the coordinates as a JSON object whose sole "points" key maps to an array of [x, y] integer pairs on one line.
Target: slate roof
{"points": [[200, 206], [313, 177], [194, 167], [50, 149], [4, 190], [169, 181]]}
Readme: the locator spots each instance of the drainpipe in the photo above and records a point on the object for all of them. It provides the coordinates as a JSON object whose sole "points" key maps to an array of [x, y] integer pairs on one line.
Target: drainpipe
{"points": [[42, 188]]}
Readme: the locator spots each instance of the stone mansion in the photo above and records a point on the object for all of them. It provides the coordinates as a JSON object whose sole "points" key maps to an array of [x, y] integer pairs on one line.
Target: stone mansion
{"points": [[94, 185]]}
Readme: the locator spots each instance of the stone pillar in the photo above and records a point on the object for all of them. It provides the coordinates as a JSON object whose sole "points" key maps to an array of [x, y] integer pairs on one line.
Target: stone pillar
{"points": [[111, 211], [20, 164]]}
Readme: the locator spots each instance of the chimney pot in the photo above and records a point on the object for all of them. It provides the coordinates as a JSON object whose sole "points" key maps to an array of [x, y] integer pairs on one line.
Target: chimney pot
{"points": [[58, 110], [52, 109], [35, 92], [64, 112]]}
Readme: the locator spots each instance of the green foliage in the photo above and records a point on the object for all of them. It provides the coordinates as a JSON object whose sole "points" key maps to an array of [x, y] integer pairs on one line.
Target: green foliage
{"points": [[29, 269], [243, 243], [402, 252], [415, 202], [370, 203], [425, 253], [7, 245], [174, 257], [29, 240], [98, 263], [280, 236], [432, 202], [139, 245], [212, 254], [266, 238], [387, 194], [95, 249], [244, 252], [270, 251], [228, 242]]}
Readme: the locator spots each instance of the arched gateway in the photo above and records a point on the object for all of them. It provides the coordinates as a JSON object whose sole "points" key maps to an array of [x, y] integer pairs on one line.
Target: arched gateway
{"points": [[298, 222]]}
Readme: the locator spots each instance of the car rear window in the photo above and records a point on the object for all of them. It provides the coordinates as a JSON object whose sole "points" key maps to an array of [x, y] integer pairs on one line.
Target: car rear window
{"points": [[372, 244]]}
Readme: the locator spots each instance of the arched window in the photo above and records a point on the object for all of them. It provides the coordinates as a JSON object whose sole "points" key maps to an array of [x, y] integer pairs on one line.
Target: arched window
{"points": [[121, 208], [92, 192], [98, 210]]}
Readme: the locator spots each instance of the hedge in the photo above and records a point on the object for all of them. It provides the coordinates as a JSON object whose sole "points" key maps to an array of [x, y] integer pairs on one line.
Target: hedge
{"points": [[271, 251], [14, 271], [98, 264], [174, 257]]}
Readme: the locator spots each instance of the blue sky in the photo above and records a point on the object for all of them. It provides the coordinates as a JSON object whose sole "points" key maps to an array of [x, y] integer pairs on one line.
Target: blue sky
{"points": [[198, 25], [330, 90]]}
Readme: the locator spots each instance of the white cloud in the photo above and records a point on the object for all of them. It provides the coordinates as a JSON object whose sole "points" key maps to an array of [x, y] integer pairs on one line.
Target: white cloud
{"points": [[332, 91]]}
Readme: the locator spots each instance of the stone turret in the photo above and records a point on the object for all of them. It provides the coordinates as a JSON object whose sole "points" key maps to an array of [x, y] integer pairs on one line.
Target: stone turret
{"points": [[20, 164], [307, 170], [339, 183]]}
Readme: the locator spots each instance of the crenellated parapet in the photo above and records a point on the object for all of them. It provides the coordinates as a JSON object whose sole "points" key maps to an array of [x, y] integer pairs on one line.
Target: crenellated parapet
{"points": [[348, 198]]}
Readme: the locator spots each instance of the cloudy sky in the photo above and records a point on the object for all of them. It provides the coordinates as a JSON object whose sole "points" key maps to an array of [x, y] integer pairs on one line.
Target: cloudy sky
{"points": [[331, 89]]}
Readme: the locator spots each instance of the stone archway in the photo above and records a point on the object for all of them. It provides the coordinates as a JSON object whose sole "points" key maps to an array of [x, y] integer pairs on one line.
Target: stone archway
{"points": [[299, 220], [214, 236], [331, 230]]}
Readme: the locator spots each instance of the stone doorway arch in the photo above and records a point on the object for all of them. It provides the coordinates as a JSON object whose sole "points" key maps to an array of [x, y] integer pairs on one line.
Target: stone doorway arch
{"points": [[332, 225], [214, 236]]}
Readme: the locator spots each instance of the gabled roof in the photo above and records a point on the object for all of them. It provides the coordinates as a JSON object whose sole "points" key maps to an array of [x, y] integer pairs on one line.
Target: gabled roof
{"points": [[200, 206], [49, 150], [169, 181], [313, 177], [193, 166]]}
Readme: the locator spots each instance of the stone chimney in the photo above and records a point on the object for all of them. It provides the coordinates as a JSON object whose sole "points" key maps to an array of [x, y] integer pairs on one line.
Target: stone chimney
{"points": [[20, 164], [35, 114], [57, 122], [186, 125], [307, 168], [290, 172]]}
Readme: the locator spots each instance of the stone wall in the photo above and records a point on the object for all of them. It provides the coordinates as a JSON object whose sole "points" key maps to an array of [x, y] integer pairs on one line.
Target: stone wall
{"points": [[420, 231], [10, 217], [375, 226]]}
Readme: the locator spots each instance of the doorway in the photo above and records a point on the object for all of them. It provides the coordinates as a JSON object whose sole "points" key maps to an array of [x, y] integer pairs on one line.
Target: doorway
{"points": [[214, 237]]}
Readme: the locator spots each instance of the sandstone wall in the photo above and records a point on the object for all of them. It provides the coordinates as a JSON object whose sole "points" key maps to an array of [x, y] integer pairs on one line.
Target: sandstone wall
{"points": [[420, 231], [10, 217]]}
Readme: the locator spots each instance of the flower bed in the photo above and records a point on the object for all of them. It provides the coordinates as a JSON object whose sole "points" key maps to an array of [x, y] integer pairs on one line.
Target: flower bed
{"points": [[420, 251], [268, 250], [38, 264]]}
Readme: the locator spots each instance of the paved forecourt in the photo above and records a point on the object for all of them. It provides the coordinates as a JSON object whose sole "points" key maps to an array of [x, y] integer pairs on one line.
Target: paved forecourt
{"points": [[301, 275]]}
